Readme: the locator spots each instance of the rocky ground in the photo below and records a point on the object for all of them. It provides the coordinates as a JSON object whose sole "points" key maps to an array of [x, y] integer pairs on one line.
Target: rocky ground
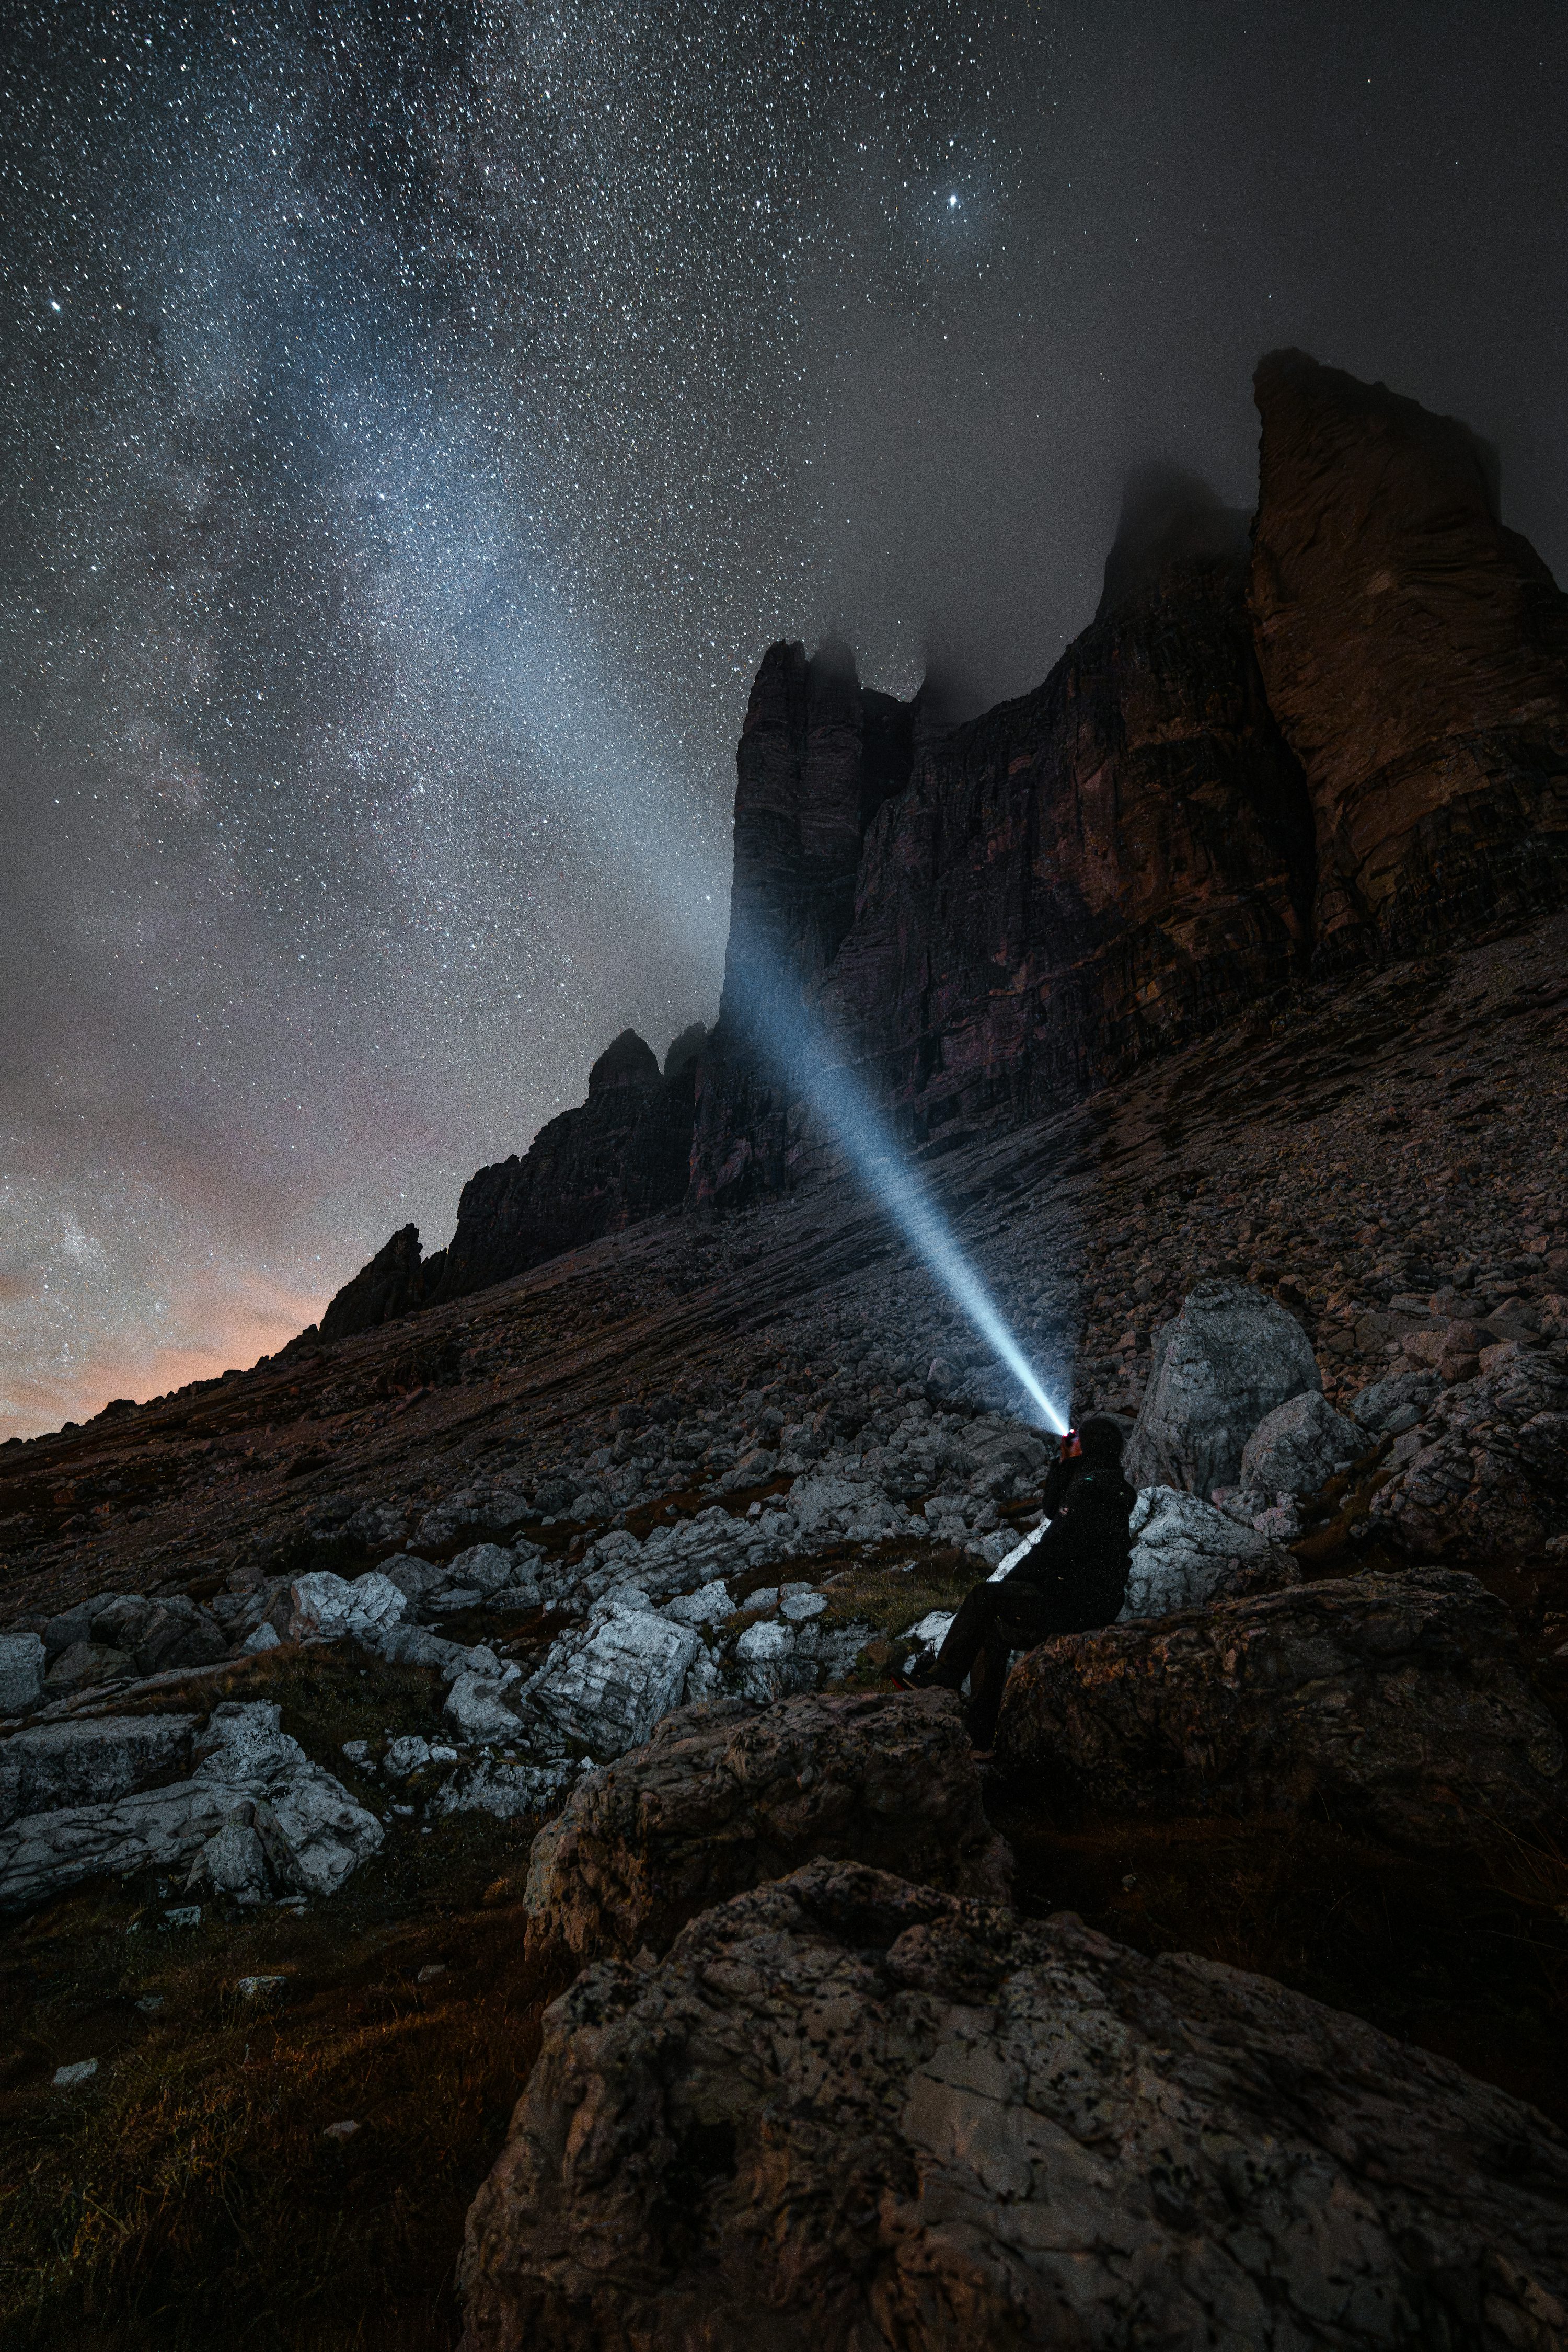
{"points": [[295, 1666]]}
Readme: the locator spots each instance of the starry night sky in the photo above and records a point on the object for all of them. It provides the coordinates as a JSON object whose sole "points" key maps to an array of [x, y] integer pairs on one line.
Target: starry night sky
{"points": [[416, 423]]}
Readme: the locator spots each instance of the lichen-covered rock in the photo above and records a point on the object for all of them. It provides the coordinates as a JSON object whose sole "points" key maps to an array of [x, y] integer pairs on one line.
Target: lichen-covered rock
{"points": [[1297, 1448], [1184, 1551], [608, 1684], [1394, 1703], [848, 2111], [1229, 1356], [1492, 1477], [722, 1797], [22, 1660]]}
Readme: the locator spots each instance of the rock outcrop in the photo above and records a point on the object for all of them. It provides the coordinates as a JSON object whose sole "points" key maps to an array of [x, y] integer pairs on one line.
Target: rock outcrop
{"points": [[819, 755], [850, 2111], [723, 1798], [255, 1813], [1416, 654], [621, 1156], [1487, 1476], [1393, 1703], [398, 1279]]}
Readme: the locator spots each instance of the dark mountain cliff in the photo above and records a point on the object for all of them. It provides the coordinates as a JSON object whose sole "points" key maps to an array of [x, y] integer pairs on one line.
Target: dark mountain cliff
{"points": [[619, 1156], [1340, 736], [1416, 654], [1335, 734]]}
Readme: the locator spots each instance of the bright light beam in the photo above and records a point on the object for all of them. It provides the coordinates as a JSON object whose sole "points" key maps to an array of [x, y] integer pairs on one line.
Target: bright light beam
{"points": [[876, 1160]]}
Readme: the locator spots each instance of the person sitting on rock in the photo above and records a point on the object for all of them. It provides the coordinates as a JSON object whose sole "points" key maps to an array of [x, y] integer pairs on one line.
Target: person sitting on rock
{"points": [[1074, 1579]]}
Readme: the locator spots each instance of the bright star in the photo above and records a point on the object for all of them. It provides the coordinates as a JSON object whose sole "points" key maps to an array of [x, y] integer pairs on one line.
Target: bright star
{"points": [[953, 204]]}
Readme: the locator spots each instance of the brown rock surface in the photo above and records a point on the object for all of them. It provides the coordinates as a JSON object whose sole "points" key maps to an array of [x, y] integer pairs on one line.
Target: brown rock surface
{"points": [[723, 1798], [1392, 1703], [1086, 874], [848, 2111], [1416, 654], [1490, 1478]]}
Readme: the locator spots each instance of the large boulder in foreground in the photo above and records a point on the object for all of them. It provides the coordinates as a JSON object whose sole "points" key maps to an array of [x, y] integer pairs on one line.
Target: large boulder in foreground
{"points": [[723, 1797], [1228, 1357], [1394, 1703], [850, 2112]]}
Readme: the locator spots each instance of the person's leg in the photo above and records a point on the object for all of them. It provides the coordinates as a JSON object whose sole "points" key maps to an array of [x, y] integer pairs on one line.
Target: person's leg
{"points": [[1021, 1620], [987, 1684], [966, 1636]]}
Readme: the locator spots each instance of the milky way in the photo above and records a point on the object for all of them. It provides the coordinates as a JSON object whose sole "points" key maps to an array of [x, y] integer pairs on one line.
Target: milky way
{"points": [[417, 422]]}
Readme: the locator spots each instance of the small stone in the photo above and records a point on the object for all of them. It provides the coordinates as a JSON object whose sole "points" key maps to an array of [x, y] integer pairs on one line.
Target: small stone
{"points": [[407, 1755], [183, 1915], [150, 2003], [430, 1971], [260, 1988], [340, 2131], [265, 1637], [68, 2077]]}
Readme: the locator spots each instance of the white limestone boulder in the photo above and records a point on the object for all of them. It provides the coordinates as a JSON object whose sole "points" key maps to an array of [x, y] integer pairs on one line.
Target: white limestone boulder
{"points": [[1184, 1551], [609, 1683], [1228, 1357], [1298, 1447]]}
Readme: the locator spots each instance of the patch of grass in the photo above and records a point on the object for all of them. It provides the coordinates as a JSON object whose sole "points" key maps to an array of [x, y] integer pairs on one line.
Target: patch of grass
{"points": [[892, 1599], [1466, 1957], [186, 2195]]}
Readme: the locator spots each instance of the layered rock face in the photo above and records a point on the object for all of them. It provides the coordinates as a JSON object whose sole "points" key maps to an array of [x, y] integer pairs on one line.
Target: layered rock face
{"points": [[621, 1156], [1085, 874], [1416, 654], [1067, 883]]}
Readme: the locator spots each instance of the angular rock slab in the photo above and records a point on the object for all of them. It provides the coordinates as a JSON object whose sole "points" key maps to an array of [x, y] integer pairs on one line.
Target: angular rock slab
{"points": [[1184, 1551], [723, 1798], [54, 1764], [1229, 1356], [610, 1684], [851, 2111], [321, 1607], [1393, 1702], [1298, 1447], [249, 1770], [21, 1662]]}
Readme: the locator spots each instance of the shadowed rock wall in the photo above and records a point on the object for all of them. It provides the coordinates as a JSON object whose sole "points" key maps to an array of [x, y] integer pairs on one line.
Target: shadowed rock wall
{"points": [[1415, 655], [1346, 738]]}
